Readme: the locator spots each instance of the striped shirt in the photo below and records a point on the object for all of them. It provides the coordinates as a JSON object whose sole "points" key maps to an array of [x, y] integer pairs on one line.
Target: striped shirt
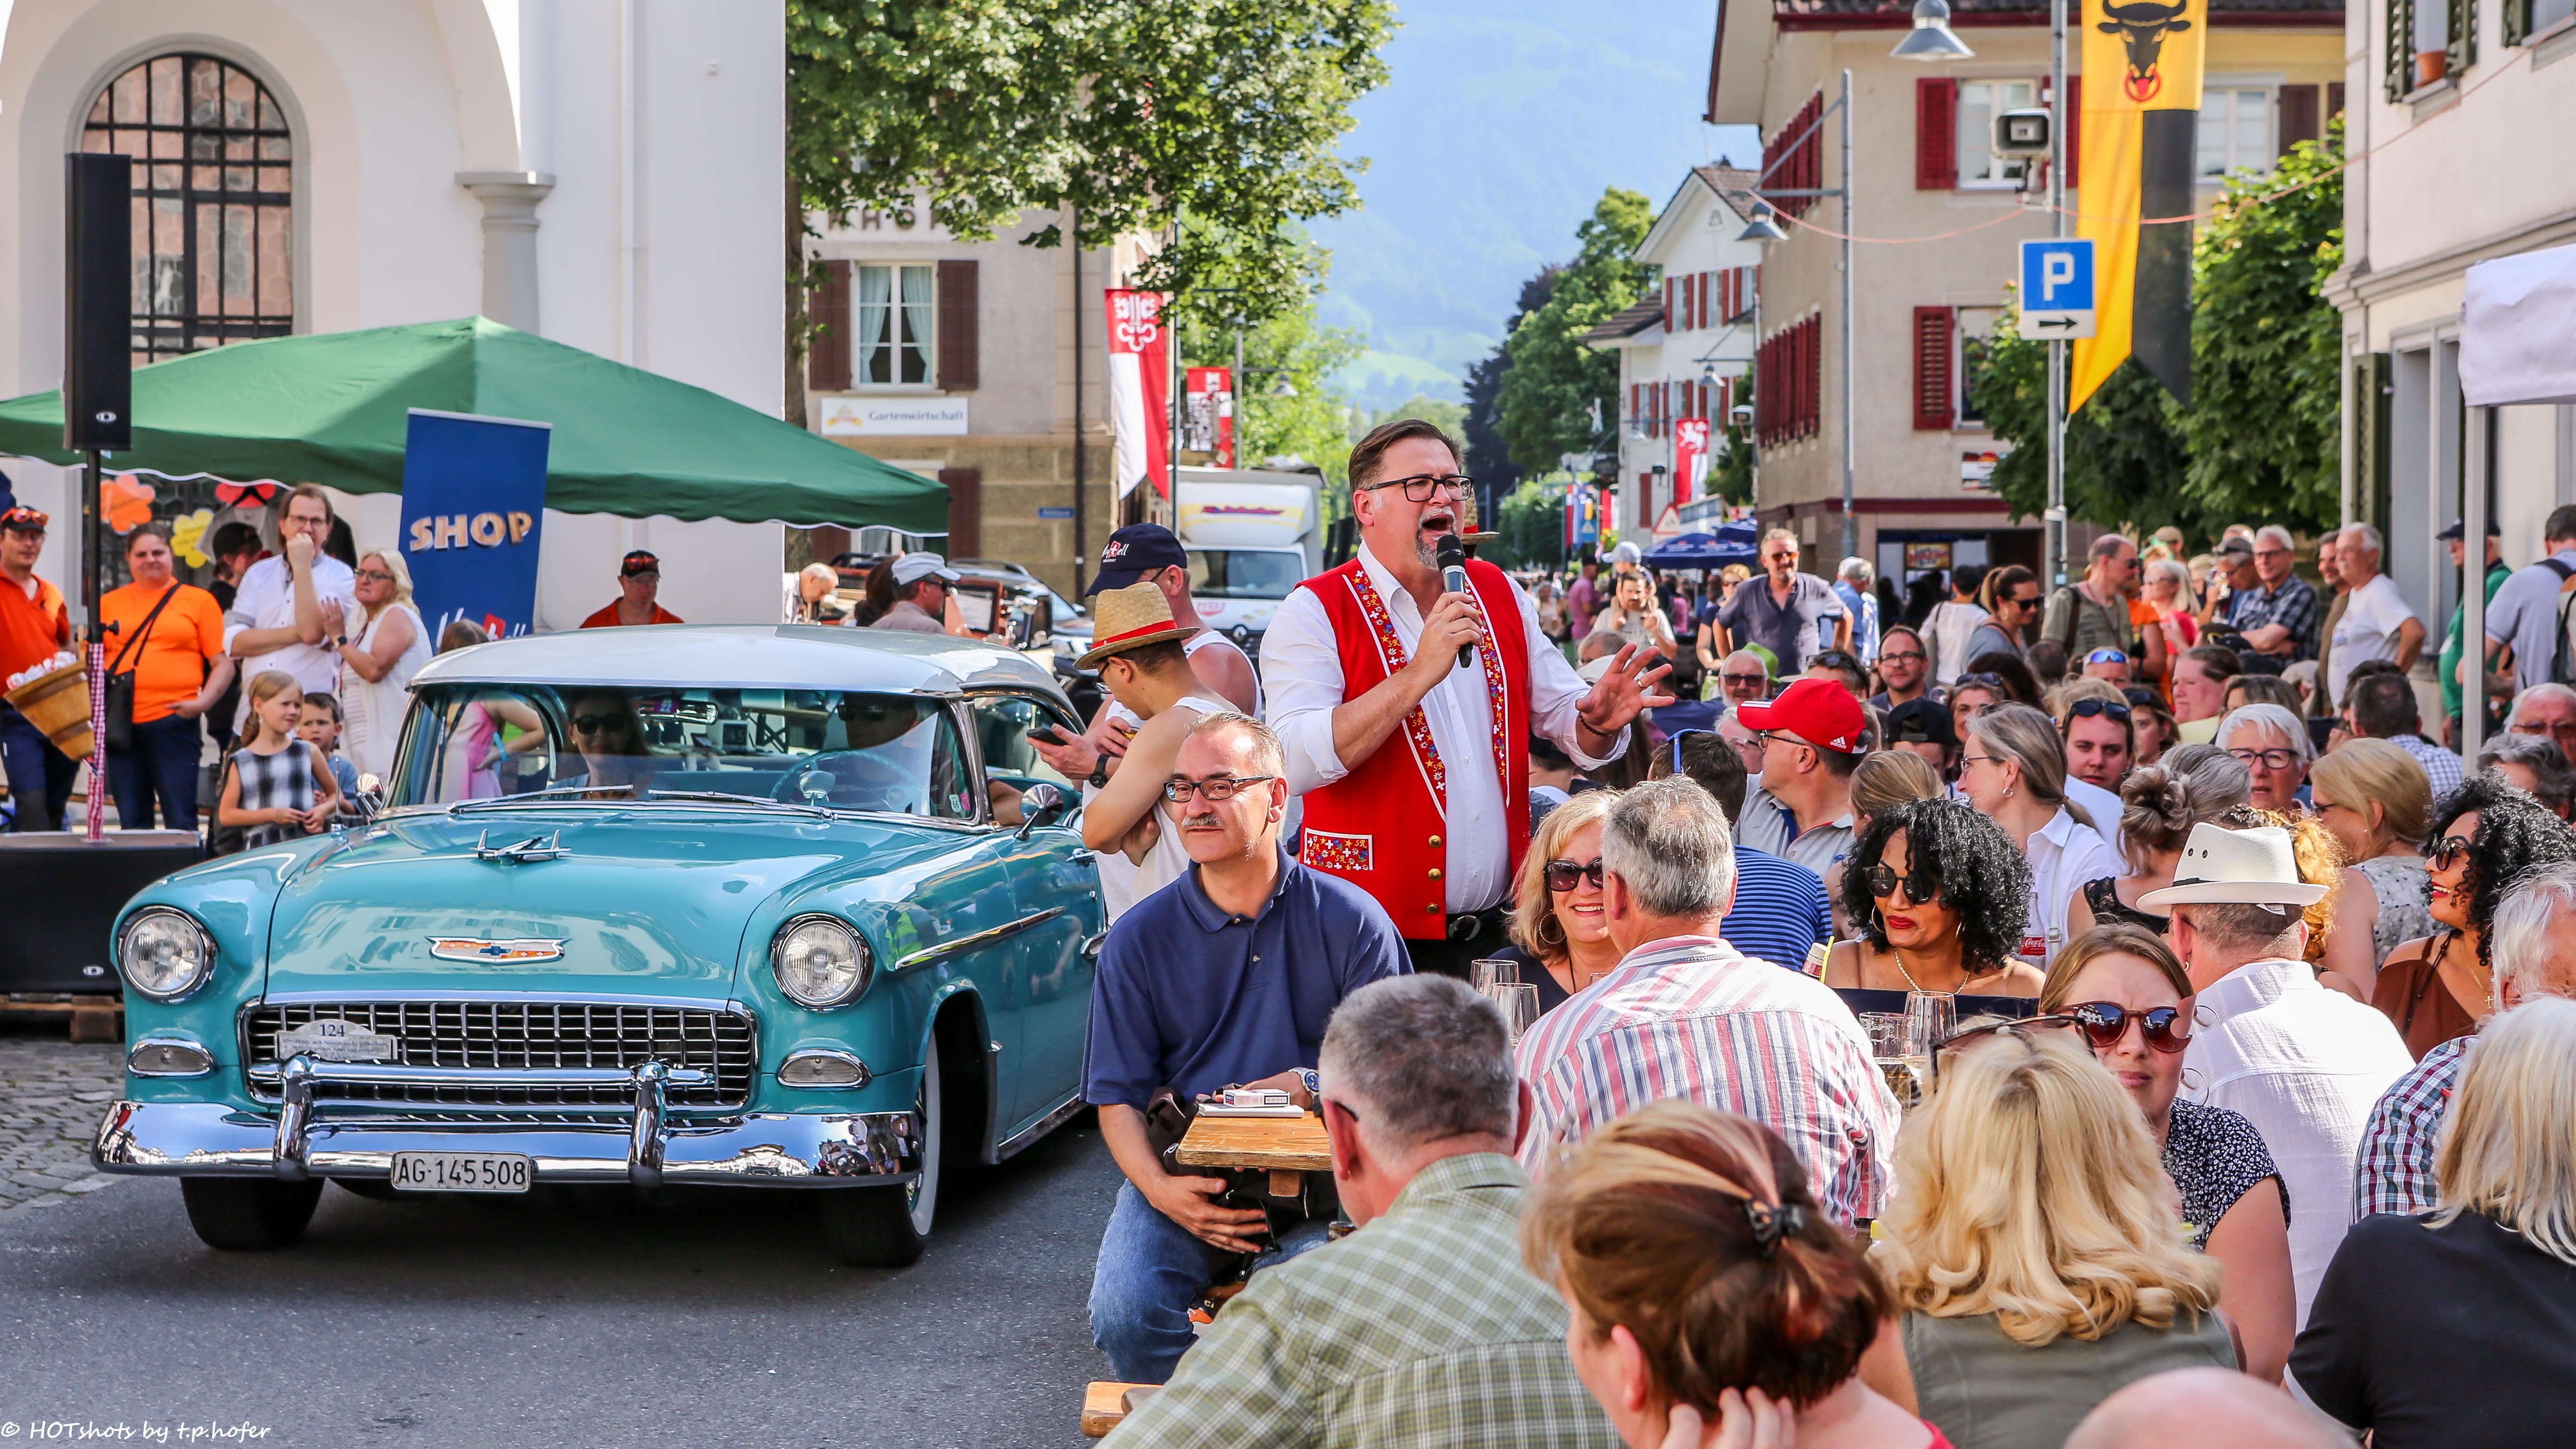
{"points": [[1691, 1017], [1779, 909], [2394, 1173]]}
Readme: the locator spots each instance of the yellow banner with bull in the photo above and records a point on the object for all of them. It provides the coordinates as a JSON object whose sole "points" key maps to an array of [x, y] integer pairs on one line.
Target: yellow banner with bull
{"points": [[2142, 65]]}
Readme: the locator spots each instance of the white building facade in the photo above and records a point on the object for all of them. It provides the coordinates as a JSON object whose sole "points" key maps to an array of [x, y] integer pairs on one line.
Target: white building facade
{"points": [[1685, 348], [610, 175], [2466, 113]]}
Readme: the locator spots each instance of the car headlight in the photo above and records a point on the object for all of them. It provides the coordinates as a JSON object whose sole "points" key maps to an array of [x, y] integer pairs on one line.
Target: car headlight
{"points": [[819, 962], [164, 954]]}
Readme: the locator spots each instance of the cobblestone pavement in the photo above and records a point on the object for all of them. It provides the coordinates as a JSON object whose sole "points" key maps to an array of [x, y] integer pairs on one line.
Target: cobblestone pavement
{"points": [[52, 1093]]}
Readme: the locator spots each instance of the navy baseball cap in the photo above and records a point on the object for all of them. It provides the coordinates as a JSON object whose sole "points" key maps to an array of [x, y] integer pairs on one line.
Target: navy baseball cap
{"points": [[1133, 552]]}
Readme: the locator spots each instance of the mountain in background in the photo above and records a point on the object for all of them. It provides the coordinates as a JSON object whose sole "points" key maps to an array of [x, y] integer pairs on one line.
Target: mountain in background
{"points": [[1502, 123]]}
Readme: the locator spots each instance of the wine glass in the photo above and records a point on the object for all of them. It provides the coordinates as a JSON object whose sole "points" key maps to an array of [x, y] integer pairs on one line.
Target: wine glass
{"points": [[1930, 1017], [1492, 971], [1519, 1004]]}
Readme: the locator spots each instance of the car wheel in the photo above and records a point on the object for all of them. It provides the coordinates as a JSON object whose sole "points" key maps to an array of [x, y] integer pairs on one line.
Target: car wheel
{"points": [[248, 1214], [888, 1227]]}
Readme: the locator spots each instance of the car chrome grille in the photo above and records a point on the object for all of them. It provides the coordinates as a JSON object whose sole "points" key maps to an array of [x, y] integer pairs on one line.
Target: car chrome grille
{"points": [[505, 1035]]}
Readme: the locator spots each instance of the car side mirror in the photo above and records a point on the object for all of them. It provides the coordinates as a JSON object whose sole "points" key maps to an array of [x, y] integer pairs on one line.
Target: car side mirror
{"points": [[1040, 804]]}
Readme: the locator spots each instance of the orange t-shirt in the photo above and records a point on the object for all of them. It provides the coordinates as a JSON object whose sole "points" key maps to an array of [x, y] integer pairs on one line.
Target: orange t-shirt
{"points": [[2142, 617], [170, 666], [32, 630], [607, 618]]}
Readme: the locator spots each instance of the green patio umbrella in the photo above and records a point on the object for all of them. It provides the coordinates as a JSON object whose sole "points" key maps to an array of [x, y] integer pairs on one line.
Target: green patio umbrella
{"points": [[333, 409]]}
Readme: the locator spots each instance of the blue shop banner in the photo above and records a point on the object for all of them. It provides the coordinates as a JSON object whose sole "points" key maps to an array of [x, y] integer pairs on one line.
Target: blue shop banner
{"points": [[474, 502]]}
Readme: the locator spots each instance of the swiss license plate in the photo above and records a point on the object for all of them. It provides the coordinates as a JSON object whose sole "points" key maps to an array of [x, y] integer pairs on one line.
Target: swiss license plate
{"points": [[463, 1171]]}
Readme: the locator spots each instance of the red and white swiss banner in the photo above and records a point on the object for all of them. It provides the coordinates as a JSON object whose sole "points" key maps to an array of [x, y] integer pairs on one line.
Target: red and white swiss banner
{"points": [[1208, 414], [1690, 459], [1140, 389]]}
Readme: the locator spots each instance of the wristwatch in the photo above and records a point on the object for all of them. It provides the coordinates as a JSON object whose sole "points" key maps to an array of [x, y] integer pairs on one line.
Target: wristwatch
{"points": [[1314, 1082], [1099, 772]]}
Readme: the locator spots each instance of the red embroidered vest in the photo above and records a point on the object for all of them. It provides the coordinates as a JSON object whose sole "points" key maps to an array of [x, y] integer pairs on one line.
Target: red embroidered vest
{"points": [[1383, 827]]}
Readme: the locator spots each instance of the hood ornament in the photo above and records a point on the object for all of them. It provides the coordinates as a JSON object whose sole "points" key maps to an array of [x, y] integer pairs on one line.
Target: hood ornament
{"points": [[533, 848], [510, 952]]}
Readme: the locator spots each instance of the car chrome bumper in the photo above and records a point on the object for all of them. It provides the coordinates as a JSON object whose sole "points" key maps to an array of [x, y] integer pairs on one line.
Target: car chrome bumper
{"points": [[641, 1145]]}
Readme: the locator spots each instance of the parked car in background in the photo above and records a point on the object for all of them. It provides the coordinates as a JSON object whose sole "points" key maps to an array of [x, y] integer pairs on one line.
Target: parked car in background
{"points": [[776, 907]]}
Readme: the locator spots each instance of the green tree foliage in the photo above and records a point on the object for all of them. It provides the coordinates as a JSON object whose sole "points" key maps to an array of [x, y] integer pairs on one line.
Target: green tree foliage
{"points": [[1451, 417], [2263, 423], [1532, 526], [2260, 438], [1307, 422], [1216, 122], [1730, 475], [2124, 459], [1488, 457], [1547, 399]]}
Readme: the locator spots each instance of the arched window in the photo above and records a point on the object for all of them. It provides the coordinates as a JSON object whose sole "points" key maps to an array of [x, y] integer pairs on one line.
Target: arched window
{"points": [[214, 215]]}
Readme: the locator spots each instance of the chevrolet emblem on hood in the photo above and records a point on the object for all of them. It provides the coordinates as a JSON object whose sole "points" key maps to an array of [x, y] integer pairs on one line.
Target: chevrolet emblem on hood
{"points": [[475, 948]]}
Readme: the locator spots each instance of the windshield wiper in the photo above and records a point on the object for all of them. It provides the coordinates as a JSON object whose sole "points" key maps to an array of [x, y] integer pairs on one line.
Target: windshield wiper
{"points": [[724, 798], [553, 790]]}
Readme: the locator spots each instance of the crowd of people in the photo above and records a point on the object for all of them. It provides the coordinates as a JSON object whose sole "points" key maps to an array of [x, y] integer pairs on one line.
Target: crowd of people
{"points": [[2240, 1097]]}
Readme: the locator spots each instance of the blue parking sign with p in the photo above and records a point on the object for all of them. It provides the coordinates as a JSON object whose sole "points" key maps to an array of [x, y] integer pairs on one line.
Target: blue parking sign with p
{"points": [[2057, 288]]}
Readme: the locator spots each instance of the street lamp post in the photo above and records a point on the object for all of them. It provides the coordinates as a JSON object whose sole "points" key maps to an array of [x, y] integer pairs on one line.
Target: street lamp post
{"points": [[2053, 522]]}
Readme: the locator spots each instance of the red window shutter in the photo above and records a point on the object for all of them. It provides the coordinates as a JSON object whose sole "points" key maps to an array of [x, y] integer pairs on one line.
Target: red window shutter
{"points": [[1932, 352], [2298, 116], [1705, 280], [1936, 133], [1668, 304], [2334, 99], [827, 338], [965, 508], [959, 346], [2074, 129]]}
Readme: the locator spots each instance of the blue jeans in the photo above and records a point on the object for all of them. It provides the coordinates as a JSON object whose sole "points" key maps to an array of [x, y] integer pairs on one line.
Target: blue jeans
{"points": [[163, 762], [40, 776], [1150, 1271]]}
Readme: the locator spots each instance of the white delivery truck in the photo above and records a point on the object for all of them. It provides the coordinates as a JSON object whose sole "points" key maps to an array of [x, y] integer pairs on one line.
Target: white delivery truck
{"points": [[1253, 535]]}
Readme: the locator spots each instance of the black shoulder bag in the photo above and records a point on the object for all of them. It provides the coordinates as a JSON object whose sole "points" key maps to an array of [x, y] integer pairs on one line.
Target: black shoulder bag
{"points": [[120, 680]]}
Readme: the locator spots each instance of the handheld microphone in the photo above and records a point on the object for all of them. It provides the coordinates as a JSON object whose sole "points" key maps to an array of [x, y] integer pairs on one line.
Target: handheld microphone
{"points": [[1452, 558]]}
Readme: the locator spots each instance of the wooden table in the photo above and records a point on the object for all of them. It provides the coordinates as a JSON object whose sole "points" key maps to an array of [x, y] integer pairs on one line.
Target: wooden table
{"points": [[1287, 1146]]}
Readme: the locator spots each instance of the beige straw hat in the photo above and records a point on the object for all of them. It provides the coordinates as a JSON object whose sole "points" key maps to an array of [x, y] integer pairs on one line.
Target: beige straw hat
{"points": [[2220, 866], [1131, 618]]}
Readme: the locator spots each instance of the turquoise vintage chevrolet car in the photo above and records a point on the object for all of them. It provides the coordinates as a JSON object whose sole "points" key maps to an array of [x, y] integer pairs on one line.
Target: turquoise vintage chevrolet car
{"points": [[705, 905]]}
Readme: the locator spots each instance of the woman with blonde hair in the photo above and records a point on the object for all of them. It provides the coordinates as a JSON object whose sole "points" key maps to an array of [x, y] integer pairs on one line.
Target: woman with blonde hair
{"points": [[1560, 931], [1709, 1299], [2458, 1327], [2031, 1247], [376, 667], [2133, 1000], [2159, 804], [2377, 802], [2012, 768]]}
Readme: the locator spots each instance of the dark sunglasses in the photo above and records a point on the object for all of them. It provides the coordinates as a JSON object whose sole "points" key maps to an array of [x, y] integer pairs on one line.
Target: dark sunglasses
{"points": [[2087, 708], [593, 723], [2106, 1022], [1833, 659], [1921, 887], [2447, 852], [2106, 656], [1563, 875], [1991, 683], [1746, 681]]}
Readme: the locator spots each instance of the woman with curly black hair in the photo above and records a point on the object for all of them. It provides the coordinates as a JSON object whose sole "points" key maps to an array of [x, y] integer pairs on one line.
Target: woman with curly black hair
{"points": [[1940, 896], [2485, 835]]}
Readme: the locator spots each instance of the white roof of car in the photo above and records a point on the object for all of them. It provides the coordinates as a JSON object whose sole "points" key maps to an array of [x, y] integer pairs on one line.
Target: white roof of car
{"points": [[743, 656]]}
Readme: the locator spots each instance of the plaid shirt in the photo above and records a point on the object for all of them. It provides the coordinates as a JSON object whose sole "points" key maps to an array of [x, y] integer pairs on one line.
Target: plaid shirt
{"points": [[2440, 765], [1420, 1331], [2293, 606], [1691, 1017], [2394, 1173]]}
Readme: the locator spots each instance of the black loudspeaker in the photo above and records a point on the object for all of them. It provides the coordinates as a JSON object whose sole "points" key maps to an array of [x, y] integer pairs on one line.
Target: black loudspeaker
{"points": [[98, 302]]}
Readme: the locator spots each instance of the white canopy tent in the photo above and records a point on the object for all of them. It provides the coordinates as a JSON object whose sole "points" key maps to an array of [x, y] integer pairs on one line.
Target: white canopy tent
{"points": [[2517, 347]]}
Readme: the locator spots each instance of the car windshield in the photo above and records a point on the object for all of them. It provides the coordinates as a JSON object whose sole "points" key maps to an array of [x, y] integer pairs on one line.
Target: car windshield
{"points": [[846, 750], [1244, 573]]}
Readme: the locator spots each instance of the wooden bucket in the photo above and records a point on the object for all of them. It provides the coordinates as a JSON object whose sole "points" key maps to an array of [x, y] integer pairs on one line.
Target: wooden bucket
{"points": [[58, 704]]}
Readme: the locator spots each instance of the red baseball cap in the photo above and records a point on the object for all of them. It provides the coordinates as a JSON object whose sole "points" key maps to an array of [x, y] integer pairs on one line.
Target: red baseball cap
{"points": [[1819, 711]]}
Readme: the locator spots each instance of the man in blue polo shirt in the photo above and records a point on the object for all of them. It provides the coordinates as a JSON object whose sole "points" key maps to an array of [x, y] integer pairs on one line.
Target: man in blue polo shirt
{"points": [[1226, 977]]}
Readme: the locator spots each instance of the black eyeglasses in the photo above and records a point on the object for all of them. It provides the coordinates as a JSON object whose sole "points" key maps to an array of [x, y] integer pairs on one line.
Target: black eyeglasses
{"points": [[1884, 655], [1564, 875], [1221, 788], [2447, 852], [2105, 1022], [1423, 487], [1921, 886], [2269, 759], [2087, 708]]}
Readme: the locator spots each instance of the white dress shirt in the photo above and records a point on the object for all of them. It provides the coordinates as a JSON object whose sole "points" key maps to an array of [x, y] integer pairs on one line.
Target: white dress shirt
{"points": [[1301, 675], [2105, 808], [266, 600], [2305, 1065], [2063, 856]]}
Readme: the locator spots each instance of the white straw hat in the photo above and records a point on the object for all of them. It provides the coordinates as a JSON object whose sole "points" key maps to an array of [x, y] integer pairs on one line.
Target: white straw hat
{"points": [[2220, 866]]}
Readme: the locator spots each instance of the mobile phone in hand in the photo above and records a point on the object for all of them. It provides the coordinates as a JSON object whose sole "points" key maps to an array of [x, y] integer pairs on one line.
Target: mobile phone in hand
{"points": [[1050, 735]]}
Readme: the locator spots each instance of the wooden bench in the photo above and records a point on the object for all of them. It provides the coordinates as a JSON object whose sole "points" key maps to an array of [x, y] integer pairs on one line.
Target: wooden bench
{"points": [[1105, 1404]]}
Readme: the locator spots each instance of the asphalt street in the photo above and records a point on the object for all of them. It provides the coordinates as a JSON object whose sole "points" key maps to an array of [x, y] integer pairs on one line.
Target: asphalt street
{"points": [[697, 1317]]}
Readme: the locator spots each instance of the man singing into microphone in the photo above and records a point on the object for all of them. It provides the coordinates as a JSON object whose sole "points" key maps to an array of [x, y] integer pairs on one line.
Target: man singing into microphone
{"points": [[1411, 753]]}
